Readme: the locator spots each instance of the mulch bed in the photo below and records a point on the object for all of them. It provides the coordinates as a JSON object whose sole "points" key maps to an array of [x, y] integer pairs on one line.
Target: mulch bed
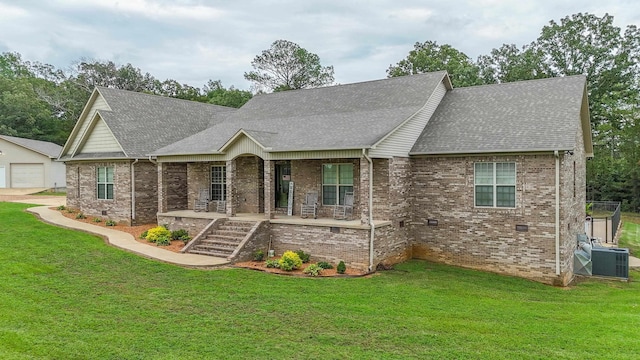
{"points": [[260, 265], [135, 231]]}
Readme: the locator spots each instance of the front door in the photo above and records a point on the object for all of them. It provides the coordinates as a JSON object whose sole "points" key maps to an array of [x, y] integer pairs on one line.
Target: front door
{"points": [[283, 177], [3, 179]]}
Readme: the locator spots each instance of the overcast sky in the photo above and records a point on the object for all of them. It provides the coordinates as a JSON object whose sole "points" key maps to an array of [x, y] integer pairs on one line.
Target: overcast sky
{"points": [[193, 41]]}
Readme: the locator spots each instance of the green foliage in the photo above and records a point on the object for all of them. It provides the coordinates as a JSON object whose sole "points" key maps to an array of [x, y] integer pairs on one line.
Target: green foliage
{"points": [[272, 263], [180, 234], [305, 257], [80, 216], [159, 235], [287, 66], [61, 207], [429, 56], [258, 255], [70, 211], [144, 234], [325, 265], [219, 95], [110, 222], [97, 220], [341, 267], [313, 270], [289, 261]]}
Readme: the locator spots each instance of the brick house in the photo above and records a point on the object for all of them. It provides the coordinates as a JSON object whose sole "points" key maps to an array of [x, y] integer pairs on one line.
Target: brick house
{"points": [[488, 177]]}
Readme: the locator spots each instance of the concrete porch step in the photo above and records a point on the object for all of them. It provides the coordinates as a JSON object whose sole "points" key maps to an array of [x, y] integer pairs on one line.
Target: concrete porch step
{"points": [[234, 233], [215, 248], [236, 239], [210, 253], [225, 242]]}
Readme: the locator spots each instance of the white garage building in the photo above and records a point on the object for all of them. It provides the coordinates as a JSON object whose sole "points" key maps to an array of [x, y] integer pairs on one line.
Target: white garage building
{"points": [[26, 163]]}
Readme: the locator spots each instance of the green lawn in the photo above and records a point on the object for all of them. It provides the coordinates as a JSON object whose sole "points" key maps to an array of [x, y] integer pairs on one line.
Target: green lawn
{"points": [[67, 295], [630, 237]]}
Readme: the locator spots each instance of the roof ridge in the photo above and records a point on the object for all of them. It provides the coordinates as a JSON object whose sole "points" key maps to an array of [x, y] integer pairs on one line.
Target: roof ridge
{"points": [[170, 98], [355, 83], [520, 82]]}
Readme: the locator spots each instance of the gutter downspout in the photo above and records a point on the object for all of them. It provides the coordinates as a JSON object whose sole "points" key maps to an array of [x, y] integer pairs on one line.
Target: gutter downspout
{"points": [[557, 156], [133, 189], [373, 227]]}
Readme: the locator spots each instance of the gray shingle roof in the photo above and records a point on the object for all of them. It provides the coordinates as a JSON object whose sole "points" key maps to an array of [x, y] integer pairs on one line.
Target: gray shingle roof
{"points": [[337, 117], [43, 147], [533, 115], [142, 123]]}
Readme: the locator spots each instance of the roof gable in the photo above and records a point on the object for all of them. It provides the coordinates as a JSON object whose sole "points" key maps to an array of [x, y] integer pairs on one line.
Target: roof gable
{"points": [[525, 116], [99, 138], [45, 148], [140, 123]]}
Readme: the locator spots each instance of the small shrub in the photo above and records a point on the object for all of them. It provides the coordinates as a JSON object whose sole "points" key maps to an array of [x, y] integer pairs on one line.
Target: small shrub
{"points": [[305, 257], [273, 264], [181, 234], [110, 222], [164, 241], [258, 255], [70, 211], [341, 267], [313, 270], [61, 207], [289, 261], [325, 265], [159, 235], [80, 216], [97, 220], [144, 234]]}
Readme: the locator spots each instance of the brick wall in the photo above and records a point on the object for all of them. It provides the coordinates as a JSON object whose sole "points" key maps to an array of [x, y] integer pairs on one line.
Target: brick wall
{"points": [[146, 192], [83, 179], [173, 186], [481, 238], [249, 184], [572, 205], [192, 225], [350, 245]]}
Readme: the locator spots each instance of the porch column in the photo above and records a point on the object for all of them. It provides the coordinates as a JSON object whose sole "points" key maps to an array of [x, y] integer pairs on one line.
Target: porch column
{"points": [[269, 189], [231, 188], [363, 191], [162, 189]]}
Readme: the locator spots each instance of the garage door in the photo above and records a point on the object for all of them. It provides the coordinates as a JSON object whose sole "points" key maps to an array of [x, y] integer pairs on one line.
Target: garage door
{"points": [[27, 175]]}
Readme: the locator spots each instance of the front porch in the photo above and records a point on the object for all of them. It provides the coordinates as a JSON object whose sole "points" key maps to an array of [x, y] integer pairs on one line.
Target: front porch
{"points": [[326, 239], [196, 216]]}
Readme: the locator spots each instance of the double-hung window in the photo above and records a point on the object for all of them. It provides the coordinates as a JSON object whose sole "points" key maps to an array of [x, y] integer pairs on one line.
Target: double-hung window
{"points": [[219, 182], [495, 184], [105, 182], [337, 179]]}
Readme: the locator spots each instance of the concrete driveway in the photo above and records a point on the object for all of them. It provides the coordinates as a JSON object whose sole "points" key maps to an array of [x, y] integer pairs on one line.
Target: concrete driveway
{"points": [[24, 196]]}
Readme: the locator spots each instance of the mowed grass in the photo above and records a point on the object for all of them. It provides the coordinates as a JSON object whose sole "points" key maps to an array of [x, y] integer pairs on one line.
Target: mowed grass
{"points": [[630, 237], [67, 295]]}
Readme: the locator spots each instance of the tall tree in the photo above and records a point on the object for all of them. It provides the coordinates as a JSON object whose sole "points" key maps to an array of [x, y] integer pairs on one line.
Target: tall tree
{"points": [[217, 94], [287, 66], [509, 63], [429, 56]]}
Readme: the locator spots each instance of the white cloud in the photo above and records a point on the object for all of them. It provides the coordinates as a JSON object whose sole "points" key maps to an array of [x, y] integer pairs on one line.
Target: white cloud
{"points": [[413, 14], [154, 9]]}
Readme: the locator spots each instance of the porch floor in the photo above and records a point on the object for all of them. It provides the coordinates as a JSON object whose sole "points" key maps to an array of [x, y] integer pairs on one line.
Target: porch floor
{"points": [[278, 219]]}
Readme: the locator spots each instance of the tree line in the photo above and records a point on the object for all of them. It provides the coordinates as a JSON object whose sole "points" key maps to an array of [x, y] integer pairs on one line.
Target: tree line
{"points": [[41, 102]]}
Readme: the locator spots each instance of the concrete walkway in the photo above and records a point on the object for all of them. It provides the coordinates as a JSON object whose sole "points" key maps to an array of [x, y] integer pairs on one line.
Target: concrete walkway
{"points": [[127, 242]]}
